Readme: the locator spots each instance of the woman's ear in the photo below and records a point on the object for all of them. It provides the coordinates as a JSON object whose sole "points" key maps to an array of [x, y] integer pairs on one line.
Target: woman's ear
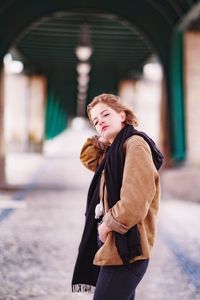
{"points": [[123, 116]]}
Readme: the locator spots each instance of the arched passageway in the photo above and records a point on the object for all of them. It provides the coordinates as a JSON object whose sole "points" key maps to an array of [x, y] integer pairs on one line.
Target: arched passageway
{"points": [[157, 24], [155, 20]]}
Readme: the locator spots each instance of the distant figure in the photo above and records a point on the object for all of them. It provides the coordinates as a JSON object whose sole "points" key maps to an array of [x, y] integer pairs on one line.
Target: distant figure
{"points": [[122, 204]]}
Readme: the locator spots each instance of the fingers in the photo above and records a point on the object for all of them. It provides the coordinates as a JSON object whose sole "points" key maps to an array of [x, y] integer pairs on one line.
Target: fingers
{"points": [[103, 231]]}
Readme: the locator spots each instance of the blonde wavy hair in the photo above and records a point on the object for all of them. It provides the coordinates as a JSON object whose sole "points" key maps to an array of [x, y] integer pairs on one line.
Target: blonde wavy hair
{"points": [[113, 102]]}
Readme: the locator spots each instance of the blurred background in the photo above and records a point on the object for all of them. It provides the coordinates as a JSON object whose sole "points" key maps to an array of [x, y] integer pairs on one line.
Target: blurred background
{"points": [[55, 56]]}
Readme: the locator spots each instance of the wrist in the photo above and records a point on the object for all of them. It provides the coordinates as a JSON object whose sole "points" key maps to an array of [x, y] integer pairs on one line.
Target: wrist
{"points": [[106, 227]]}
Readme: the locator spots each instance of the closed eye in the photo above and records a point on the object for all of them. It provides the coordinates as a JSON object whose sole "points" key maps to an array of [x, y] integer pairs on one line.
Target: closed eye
{"points": [[106, 115]]}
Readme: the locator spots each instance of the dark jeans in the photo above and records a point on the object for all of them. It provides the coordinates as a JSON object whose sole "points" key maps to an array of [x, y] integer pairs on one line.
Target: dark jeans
{"points": [[119, 282]]}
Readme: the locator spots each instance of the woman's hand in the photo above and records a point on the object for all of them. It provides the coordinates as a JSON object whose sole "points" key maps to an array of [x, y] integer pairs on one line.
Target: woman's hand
{"points": [[103, 231]]}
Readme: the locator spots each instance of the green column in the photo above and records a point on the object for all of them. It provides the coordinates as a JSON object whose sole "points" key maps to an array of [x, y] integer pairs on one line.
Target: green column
{"points": [[177, 109], [56, 115]]}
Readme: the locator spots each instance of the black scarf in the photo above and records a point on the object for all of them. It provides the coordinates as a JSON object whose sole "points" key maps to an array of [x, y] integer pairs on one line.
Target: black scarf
{"points": [[128, 245]]}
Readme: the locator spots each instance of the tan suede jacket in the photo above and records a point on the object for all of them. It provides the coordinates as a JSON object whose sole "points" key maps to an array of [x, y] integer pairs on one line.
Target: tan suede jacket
{"points": [[139, 197]]}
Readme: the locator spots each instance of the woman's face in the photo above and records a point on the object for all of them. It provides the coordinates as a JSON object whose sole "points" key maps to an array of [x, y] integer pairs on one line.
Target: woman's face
{"points": [[107, 121]]}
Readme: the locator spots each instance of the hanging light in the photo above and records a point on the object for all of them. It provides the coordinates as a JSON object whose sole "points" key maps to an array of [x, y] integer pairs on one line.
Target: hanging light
{"points": [[84, 49], [83, 52], [82, 88], [83, 80], [12, 66], [153, 71], [83, 68]]}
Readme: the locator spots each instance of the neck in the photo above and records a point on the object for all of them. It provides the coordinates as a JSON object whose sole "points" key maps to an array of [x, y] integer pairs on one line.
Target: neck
{"points": [[112, 139]]}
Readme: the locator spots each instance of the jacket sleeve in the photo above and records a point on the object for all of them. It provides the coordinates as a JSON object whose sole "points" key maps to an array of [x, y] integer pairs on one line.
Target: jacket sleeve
{"points": [[137, 191], [92, 153]]}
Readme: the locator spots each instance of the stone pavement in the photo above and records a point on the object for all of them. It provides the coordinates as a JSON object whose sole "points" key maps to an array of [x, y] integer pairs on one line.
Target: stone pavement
{"points": [[41, 226]]}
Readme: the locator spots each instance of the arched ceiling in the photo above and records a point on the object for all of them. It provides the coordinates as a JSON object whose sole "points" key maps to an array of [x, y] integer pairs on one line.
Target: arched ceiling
{"points": [[51, 43], [155, 18], [123, 33]]}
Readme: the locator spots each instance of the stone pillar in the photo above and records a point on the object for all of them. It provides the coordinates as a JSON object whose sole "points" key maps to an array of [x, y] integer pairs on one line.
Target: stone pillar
{"points": [[126, 91], [24, 112], [145, 98], [192, 96], [16, 94], [2, 146], [164, 139], [37, 100]]}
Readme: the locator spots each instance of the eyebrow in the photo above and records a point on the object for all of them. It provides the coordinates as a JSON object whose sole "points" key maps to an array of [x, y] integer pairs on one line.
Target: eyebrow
{"points": [[100, 114]]}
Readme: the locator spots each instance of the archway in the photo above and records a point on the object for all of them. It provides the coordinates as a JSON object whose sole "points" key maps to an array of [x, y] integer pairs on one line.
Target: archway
{"points": [[156, 19]]}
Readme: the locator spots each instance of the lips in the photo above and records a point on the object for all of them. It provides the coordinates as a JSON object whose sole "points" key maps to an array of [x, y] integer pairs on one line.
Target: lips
{"points": [[104, 127]]}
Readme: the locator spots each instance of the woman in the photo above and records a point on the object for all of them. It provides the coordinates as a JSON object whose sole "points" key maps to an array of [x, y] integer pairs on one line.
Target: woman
{"points": [[122, 204]]}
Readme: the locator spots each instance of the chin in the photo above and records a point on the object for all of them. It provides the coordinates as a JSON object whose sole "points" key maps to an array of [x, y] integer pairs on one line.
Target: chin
{"points": [[109, 137]]}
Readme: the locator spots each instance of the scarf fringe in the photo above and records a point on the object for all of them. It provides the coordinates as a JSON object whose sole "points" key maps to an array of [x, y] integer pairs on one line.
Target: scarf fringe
{"points": [[82, 288]]}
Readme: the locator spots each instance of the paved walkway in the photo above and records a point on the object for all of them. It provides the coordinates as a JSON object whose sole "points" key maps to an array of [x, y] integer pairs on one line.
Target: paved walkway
{"points": [[41, 226]]}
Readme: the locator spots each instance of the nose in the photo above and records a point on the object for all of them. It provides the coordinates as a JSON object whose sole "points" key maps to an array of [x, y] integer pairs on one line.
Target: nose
{"points": [[101, 121]]}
